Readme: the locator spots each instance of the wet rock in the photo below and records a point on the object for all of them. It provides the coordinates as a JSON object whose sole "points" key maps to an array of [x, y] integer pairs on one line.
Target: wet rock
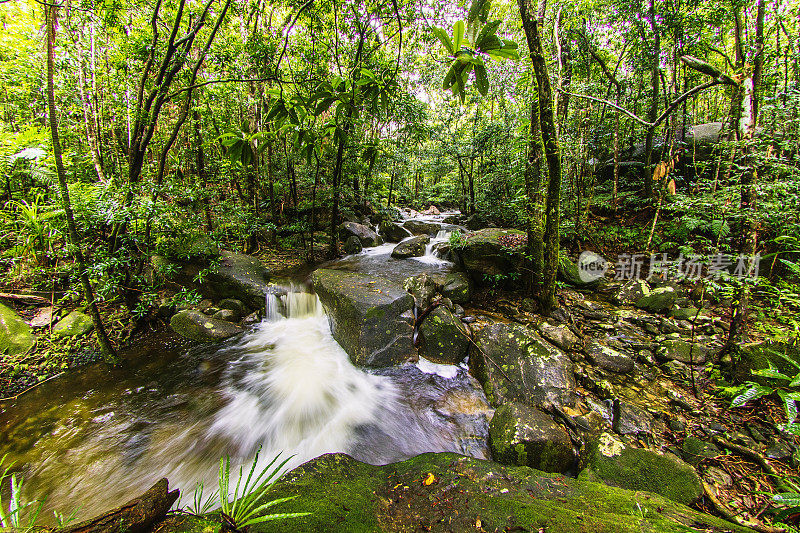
{"points": [[492, 251], [631, 292], [252, 318], [73, 325], [525, 436], [468, 319], [657, 300], [367, 316], [352, 245], [515, 364], [444, 339], [422, 288], [362, 232], [608, 359], [432, 210], [225, 314], [610, 461], [413, 247], [421, 227], [683, 351], [240, 277], [634, 421], [16, 337], [392, 232], [199, 327], [561, 335], [456, 286], [234, 305], [694, 450]]}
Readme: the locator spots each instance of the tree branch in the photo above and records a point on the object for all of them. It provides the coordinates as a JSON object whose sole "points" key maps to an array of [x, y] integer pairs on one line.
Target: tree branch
{"points": [[610, 104]]}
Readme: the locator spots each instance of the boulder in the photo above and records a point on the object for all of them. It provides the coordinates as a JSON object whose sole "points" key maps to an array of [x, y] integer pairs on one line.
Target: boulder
{"points": [[608, 359], [695, 450], [199, 327], [234, 305], [370, 316], [568, 272], [392, 232], [238, 276], [413, 247], [631, 292], [443, 337], [456, 286], [364, 234], [352, 245], [608, 460], [525, 436], [492, 252], [16, 337], [476, 222], [422, 227], [515, 364], [658, 300], [560, 335], [451, 219], [226, 315], [422, 288], [449, 492], [73, 325], [683, 351], [763, 355]]}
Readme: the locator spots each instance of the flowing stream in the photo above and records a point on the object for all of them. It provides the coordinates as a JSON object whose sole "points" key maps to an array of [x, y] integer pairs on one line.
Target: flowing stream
{"points": [[99, 437]]}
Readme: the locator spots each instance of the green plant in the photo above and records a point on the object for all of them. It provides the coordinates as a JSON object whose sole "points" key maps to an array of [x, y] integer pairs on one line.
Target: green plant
{"points": [[785, 386], [16, 505], [457, 240], [240, 510]]}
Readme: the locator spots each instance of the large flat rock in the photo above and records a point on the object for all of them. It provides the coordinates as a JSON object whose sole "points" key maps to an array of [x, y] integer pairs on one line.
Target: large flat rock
{"points": [[370, 316]]}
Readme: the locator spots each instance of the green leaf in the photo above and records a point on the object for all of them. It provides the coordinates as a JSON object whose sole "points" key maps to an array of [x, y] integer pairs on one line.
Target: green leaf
{"points": [[492, 42], [444, 39], [458, 35], [450, 77], [770, 373], [488, 31], [753, 393], [324, 105], [481, 80], [479, 10]]}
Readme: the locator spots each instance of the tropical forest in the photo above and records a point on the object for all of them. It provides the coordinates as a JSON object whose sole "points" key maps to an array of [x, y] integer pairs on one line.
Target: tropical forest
{"points": [[404, 266]]}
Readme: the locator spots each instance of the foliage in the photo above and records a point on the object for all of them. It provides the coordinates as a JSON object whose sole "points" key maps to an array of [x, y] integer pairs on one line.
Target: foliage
{"points": [[13, 517]]}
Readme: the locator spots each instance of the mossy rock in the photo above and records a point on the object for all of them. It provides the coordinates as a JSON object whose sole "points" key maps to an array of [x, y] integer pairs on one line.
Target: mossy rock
{"points": [[16, 337], [492, 252], [444, 339], [610, 461], [446, 492], [199, 327], [73, 325], [758, 356], [525, 436], [456, 286], [658, 300], [413, 247], [422, 227], [695, 450], [568, 273], [683, 351], [392, 232], [364, 234]]}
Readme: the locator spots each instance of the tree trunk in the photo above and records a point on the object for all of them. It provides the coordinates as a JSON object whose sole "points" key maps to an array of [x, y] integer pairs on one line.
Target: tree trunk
{"points": [[653, 112], [534, 204], [109, 354]]}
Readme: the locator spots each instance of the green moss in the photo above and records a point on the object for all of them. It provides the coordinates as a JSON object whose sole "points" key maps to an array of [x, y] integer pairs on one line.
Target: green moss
{"points": [[15, 335]]}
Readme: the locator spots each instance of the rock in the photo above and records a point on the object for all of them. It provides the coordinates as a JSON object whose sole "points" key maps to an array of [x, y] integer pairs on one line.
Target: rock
{"points": [[569, 273], [476, 222], [683, 351], [233, 304], [780, 451], [421, 227], [631, 292], [677, 425], [689, 313], [694, 450], [525, 436], [352, 245], [43, 318], [241, 277], [561, 335], [515, 364], [634, 421], [456, 286], [422, 288], [342, 494], [451, 219], [392, 232], [762, 355], [252, 318], [226, 315], [657, 300], [608, 359], [444, 339], [73, 325], [362, 232], [432, 210], [492, 252], [413, 247], [610, 461], [199, 327], [718, 476], [16, 337], [370, 316]]}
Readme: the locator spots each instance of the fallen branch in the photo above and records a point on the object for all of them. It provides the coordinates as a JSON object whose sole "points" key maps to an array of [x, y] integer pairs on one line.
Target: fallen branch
{"points": [[758, 458], [728, 514], [24, 298]]}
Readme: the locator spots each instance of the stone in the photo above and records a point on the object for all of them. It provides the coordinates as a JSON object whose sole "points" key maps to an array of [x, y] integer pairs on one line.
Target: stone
{"points": [[762, 355], [631, 291], [492, 252], [513, 363], [560, 335], [780, 451], [16, 337], [718, 476], [233, 304], [610, 461], [569, 273], [443, 338], [43, 317], [608, 359], [475, 222], [201, 328], [225, 314], [423, 288], [657, 300], [392, 232], [239, 276], [74, 324], [457, 287], [682, 351], [251, 319], [370, 316], [634, 421], [525, 436], [352, 245], [694, 450], [413, 247], [421, 227], [365, 235], [689, 313], [451, 219]]}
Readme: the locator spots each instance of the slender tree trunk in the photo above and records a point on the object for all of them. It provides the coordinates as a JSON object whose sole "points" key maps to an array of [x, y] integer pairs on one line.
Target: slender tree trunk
{"points": [[534, 204], [391, 189], [109, 354], [653, 112]]}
